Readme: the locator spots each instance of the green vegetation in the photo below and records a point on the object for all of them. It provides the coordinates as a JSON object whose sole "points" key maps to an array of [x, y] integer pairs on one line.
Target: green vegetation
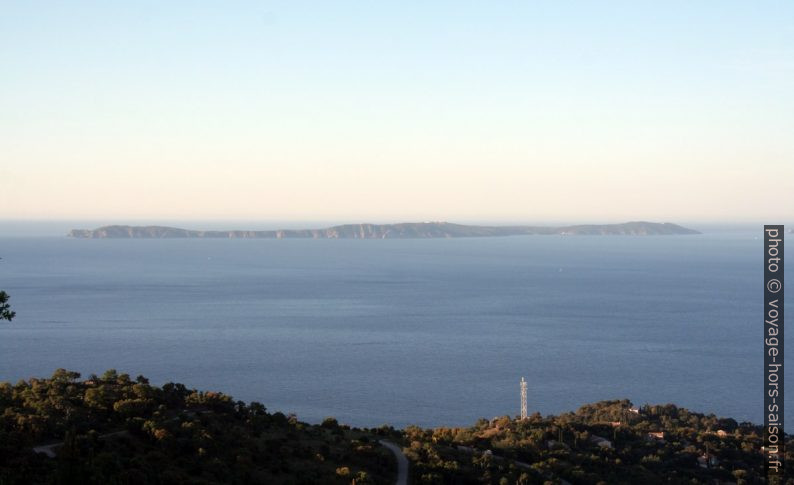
{"points": [[603, 443], [117, 430], [5, 308]]}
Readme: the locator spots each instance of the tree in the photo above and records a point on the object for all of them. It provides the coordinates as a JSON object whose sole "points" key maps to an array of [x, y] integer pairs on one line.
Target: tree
{"points": [[330, 423], [63, 375], [5, 308]]}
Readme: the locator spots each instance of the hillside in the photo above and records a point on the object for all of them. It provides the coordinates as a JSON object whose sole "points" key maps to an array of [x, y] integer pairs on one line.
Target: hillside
{"points": [[387, 231], [114, 429]]}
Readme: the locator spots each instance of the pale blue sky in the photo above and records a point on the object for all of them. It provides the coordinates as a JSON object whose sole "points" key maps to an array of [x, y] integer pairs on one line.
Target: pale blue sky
{"points": [[405, 110]]}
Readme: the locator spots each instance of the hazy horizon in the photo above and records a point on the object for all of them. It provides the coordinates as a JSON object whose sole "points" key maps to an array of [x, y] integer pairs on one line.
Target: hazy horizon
{"points": [[571, 111], [379, 354], [48, 228]]}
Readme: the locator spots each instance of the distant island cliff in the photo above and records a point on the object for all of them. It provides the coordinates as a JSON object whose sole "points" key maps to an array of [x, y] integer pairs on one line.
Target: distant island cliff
{"points": [[407, 230]]}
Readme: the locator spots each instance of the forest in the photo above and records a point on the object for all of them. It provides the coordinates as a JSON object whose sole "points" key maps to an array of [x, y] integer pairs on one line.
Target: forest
{"points": [[115, 429]]}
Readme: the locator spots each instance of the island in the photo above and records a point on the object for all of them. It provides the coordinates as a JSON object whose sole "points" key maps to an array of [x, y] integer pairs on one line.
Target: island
{"points": [[406, 230]]}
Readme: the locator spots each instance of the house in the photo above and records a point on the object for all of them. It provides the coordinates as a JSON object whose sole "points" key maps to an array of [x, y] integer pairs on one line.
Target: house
{"points": [[614, 424], [722, 433], [634, 410], [602, 442], [656, 435]]}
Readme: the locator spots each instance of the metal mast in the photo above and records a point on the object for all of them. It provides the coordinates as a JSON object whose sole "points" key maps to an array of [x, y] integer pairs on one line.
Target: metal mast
{"points": [[523, 399]]}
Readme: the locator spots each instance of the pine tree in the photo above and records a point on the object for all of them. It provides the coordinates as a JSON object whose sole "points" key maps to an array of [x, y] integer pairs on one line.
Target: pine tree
{"points": [[5, 308]]}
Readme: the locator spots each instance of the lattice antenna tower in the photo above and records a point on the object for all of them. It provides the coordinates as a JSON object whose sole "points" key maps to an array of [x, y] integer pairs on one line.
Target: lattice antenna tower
{"points": [[523, 399]]}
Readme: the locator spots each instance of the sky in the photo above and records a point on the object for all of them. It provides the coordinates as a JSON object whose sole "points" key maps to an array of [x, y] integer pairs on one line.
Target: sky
{"points": [[529, 111]]}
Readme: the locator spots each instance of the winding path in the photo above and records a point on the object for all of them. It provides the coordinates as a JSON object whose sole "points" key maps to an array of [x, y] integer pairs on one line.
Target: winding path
{"points": [[49, 450], [402, 462]]}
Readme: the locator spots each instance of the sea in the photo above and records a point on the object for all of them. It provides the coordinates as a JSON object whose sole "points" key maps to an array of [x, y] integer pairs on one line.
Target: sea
{"points": [[431, 332]]}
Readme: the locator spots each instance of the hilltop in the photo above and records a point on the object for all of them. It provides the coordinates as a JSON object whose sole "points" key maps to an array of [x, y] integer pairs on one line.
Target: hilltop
{"points": [[115, 429], [387, 231]]}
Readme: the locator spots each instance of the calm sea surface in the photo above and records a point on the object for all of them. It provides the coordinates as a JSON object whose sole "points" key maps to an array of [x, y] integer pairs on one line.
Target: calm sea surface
{"points": [[429, 332]]}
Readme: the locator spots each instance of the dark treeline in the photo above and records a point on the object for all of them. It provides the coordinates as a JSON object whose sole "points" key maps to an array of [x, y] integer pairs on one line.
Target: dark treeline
{"points": [[113, 429], [609, 442]]}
